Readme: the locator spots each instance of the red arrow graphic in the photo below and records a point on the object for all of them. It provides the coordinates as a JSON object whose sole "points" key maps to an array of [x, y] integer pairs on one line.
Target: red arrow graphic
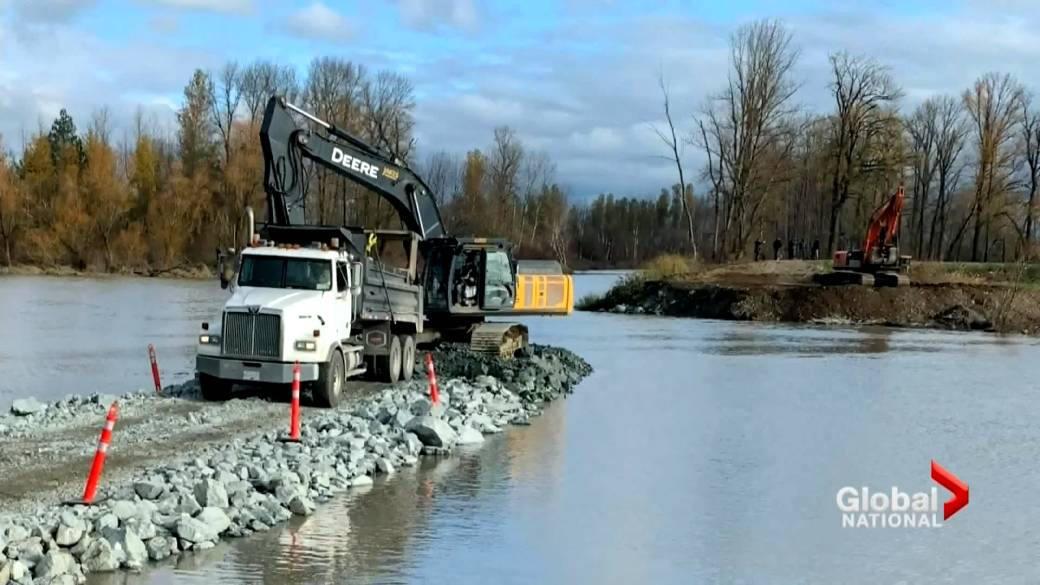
{"points": [[958, 488]]}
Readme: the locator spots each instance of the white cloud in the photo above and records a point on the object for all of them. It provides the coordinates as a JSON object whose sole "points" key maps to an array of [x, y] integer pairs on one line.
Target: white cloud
{"points": [[221, 6], [434, 14], [73, 69], [318, 21], [50, 11]]}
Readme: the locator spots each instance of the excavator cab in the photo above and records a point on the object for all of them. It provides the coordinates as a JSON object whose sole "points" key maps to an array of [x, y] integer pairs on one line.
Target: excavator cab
{"points": [[469, 276]]}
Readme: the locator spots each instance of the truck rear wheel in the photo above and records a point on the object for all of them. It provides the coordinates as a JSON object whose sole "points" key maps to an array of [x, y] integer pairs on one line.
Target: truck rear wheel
{"points": [[329, 389], [389, 365], [214, 388], [407, 357]]}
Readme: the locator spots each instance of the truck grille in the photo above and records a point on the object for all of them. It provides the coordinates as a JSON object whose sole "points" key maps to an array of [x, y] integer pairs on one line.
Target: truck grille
{"points": [[252, 335]]}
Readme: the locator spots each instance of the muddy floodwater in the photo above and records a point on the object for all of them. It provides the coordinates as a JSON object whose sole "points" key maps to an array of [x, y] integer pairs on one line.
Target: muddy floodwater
{"points": [[697, 452]]}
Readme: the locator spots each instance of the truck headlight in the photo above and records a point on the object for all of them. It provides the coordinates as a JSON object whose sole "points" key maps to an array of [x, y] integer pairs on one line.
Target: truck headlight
{"points": [[306, 345], [209, 340]]}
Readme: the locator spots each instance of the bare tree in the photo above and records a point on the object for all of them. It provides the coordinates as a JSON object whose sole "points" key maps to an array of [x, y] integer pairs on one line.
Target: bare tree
{"points": [[951, 131], [994, 106], [672, 142], [1030, 129], [225, 96], [333, 92], [101, 123], [505, 158], [862, 88], [443, 173], [536, 175], [261, 80], [389, 101], [922, 126], [746, 130]]}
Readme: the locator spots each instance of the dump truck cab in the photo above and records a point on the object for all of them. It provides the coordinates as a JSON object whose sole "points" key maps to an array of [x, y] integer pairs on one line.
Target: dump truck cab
{"points": [[310, 295], [288, 305]]}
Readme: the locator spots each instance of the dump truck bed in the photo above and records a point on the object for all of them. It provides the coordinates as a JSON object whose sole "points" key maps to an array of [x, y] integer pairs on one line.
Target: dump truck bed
{"points": [[388, 296]]}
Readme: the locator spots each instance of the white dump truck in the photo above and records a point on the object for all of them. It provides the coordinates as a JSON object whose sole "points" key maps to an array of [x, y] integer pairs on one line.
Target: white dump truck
{"points": [[311, 295]]}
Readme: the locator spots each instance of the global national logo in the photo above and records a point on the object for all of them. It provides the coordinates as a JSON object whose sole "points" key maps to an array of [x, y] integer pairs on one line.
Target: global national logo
{"points": [[864, 507]]}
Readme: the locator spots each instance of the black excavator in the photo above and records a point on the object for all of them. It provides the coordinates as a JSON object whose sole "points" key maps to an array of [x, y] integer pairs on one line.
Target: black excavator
{"points": [[464, 280]]}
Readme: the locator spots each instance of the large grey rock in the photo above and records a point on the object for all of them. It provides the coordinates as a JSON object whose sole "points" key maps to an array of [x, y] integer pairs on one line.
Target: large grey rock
{"points": [[193, 530], [158, 548], [142, 525], [301, 506], [54, 563], [19, 570], [67, 535], [126, 540], [81, 547], [210, 492], [27, 406], [361, 481], [285, 492], [433, 432], [384, 465], [101, 557], [215, 518], [402, 418], [106, 521], [123, 509], [412, 443], [70, 529], [29, 550], [188, 505], [470, 436], [149, 490]]}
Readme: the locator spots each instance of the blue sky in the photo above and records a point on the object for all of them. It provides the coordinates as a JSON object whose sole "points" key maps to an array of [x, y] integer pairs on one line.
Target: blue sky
{"points": [[577, 79]]}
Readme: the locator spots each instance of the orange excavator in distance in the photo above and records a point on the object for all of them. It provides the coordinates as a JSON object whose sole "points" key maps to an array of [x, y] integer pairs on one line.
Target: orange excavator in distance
{"points": [[878, 263]]}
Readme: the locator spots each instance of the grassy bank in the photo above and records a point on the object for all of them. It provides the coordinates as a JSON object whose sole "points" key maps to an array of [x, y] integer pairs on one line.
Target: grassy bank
{"points": [[998, 297]]}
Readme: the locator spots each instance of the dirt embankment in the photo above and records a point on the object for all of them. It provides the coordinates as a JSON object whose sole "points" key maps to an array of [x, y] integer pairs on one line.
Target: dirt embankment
{"points": [[196, 272], [1005, 308]]}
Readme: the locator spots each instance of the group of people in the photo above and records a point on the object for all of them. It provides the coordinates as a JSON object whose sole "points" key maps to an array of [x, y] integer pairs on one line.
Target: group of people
{"points": [[797, 249]]}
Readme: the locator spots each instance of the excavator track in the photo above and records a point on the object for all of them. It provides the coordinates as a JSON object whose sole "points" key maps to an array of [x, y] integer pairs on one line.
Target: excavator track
{"points": [[498, 338]]}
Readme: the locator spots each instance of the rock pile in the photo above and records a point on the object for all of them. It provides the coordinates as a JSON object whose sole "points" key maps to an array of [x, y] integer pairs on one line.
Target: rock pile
{"points": [[253, 483]]}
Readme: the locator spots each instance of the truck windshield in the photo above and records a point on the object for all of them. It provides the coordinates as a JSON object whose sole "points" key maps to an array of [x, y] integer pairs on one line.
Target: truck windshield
{"points": [[279, 272]]}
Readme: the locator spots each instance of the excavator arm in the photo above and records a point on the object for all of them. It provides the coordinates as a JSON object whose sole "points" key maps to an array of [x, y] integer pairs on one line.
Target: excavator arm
{"points": [[286, 146], [885, 223]]}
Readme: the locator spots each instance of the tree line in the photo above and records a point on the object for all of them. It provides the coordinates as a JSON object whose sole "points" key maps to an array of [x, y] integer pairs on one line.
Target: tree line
{"points": [[154, 199], [970, 162]]}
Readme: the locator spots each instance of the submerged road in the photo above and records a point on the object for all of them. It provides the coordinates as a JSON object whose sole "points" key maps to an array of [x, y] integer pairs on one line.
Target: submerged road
{"points": [[698, 451]]}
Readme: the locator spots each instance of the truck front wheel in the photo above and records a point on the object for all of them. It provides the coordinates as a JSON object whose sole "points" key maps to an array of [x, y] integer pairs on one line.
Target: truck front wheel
{"points": [[214, 388], [329, 389]]}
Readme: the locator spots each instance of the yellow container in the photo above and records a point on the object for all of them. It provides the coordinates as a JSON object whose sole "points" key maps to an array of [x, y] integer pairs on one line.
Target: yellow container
{"points": [[544, 294]]}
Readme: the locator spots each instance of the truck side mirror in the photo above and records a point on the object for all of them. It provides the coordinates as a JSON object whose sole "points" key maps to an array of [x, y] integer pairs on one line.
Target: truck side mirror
{"points": [[225, 267], [356, 277]]}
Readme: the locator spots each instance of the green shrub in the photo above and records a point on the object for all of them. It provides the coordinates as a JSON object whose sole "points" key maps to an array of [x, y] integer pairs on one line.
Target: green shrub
{"points": [[668, 267]]}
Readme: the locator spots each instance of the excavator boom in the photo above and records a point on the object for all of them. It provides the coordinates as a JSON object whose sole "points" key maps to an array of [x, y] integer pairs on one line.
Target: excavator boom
{"points": [[286, 146], [885, 222]]}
